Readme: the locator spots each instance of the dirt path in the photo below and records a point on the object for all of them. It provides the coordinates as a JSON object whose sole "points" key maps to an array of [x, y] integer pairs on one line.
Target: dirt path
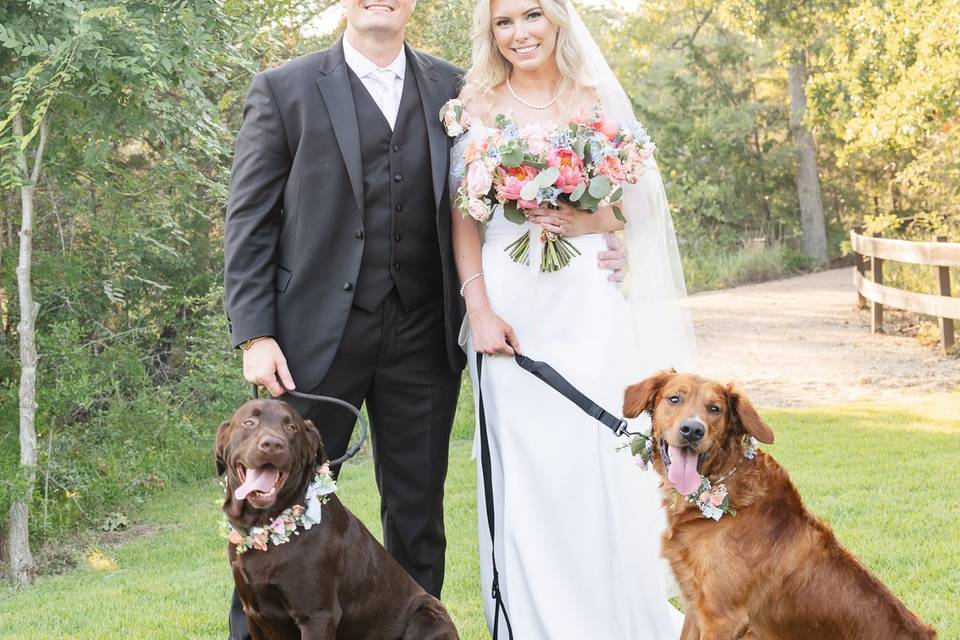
{"points": [[802, 342]]}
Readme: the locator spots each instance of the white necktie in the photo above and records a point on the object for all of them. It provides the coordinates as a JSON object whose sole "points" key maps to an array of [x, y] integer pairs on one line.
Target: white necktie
{"points": [[387, 80]]}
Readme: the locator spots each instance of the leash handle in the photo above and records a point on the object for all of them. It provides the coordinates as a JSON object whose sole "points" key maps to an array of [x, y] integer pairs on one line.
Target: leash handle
{"points": [[548, 374], [355, 447], [486, 466]]}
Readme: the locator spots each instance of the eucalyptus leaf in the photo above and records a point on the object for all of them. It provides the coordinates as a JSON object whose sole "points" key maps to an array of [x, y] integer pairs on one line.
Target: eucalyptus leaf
{"points": [[579, 191], [548, 176], [530, 190], [600, 187], [618, 214], [511, 159], [511, 211]]}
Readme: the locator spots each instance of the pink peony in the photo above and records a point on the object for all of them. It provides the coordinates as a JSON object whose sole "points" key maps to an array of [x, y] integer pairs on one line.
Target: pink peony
{"points": [[570, 166], [235, 537], [479, 180], [512, 181], [607, 127]]}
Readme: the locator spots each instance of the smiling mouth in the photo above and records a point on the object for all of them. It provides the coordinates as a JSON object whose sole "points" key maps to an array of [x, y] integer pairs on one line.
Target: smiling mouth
{"points": [[379, 8], [681, 464], [259, 485], [525, 50]]}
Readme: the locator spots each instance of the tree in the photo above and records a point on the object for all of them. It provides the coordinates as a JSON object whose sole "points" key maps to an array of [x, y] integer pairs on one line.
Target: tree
{"points": [[74, 71], [797, 31]]}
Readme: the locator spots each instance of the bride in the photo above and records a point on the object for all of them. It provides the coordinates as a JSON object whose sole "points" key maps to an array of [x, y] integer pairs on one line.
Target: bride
{"points": [[577, 523]]}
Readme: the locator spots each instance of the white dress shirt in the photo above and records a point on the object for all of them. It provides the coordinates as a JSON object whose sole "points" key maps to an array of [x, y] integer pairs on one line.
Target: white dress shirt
{"points": [[384, 84]]}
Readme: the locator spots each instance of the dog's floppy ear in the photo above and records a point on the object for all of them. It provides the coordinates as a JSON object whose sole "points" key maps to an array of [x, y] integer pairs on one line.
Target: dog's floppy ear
{"points": [[748, 418], [219, 444], [642, 396], [314, 444]]}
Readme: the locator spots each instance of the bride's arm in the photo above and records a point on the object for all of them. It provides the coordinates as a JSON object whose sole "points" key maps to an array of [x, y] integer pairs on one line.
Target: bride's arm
{"points": [[490, 333]]}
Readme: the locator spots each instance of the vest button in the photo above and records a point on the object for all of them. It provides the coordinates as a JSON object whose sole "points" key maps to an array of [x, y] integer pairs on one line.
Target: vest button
{"points": [[397, 236], [398, 178], [358, 234], [396, 266], [399, 207], [396, 148], [347, 286]]}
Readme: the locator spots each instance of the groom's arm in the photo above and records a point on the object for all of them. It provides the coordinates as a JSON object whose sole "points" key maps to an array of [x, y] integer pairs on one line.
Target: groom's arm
{"points": [[261, 165]]}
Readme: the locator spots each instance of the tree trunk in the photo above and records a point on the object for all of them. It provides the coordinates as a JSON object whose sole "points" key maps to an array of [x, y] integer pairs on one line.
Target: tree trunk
{"points": [[812, 226], [21, 560]]}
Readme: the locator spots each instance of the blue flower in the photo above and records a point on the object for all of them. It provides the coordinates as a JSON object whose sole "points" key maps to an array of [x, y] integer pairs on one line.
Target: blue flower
{"points": [[640, 133], [510, 132]]}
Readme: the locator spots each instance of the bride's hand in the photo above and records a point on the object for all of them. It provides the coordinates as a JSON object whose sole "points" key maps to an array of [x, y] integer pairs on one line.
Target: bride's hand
{"points": [[491, 335], [565, 221]]}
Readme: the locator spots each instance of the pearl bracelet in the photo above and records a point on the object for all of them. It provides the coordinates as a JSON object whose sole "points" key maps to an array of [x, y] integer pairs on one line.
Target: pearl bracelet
{"points": [[463, 286]]}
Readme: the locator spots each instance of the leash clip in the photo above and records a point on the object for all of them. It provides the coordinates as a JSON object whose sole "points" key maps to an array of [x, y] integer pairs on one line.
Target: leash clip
{"points": [[622, 429]]}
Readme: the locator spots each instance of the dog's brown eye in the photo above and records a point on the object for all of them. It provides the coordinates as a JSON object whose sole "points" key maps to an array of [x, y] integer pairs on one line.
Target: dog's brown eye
{"points": [[249, 423], [674, 399], [713, 409], [291, 427]]}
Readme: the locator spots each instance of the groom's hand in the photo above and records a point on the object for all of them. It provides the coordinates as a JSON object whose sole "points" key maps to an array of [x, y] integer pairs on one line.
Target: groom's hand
{"points": [[263, 363], [614, 259]]}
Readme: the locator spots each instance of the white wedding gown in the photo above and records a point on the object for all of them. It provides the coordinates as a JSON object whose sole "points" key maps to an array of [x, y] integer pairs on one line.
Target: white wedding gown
{"points": [[578, 524]]}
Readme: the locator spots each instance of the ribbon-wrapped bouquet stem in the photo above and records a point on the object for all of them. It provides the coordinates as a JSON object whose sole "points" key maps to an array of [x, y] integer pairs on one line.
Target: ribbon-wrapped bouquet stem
{"points": [[583, 163]]}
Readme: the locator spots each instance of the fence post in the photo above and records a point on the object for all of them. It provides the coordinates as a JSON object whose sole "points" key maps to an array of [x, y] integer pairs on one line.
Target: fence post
{"points": [[861, 264], [943, 289], [876, 309]]}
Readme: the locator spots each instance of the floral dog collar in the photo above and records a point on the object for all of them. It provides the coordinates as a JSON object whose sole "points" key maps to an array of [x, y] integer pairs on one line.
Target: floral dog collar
{"points": [[712, 500], [285, 525]]}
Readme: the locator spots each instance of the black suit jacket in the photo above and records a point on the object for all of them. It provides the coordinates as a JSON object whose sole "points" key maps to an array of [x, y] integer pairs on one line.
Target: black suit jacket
{"points": [[293, 236]]}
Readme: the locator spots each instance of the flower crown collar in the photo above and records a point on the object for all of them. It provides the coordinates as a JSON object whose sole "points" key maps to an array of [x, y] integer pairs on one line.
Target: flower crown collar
{"points": [[283, 527]]}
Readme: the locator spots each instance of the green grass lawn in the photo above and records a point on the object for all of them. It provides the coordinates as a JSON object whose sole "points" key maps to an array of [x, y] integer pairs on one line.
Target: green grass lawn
{"points": [[883, 475]]}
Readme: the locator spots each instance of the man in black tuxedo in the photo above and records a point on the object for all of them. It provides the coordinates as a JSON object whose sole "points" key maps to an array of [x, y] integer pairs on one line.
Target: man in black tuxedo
{"points": [[339, 265]]}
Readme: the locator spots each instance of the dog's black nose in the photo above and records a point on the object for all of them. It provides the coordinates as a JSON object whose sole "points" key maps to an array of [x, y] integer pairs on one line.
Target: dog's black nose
{"points": [[691, 430], [271, 444]]}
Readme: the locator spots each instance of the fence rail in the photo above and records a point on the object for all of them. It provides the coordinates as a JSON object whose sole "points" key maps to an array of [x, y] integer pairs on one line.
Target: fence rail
{"points": [[939, 254]]}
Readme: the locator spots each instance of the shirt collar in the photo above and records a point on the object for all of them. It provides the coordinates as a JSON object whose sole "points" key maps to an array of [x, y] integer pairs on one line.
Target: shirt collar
{"points": [[362, 66]]}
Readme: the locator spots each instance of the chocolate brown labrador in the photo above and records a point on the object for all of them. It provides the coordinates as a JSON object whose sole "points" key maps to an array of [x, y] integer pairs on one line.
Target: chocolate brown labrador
{"points": [[773, 571], [333, 581]]}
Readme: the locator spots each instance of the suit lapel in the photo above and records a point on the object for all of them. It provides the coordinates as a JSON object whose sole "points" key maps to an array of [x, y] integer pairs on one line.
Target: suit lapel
{"points": [[334, 85], [432, 97]]}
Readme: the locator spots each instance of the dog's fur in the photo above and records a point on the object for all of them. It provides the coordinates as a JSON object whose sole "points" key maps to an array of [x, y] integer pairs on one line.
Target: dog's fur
{"points": [[333, 581], [773, 571]]}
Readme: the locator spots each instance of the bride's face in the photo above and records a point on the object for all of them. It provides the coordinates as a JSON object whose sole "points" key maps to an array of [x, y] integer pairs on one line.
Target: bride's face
{"points": [[524, 35]]}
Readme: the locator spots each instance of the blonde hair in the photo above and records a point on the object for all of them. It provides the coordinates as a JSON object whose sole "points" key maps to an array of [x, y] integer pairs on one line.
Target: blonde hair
{"points": [[490, 69]]}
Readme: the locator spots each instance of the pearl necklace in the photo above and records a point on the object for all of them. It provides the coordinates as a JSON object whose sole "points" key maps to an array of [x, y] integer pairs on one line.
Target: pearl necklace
{"points": [[527, 104]]}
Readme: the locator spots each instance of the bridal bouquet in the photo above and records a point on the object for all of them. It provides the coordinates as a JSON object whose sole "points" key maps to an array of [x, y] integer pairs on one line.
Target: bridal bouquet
{"points": [[583, 163]]}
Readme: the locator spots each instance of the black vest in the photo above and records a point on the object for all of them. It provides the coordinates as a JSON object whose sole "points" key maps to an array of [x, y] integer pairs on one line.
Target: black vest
{"points": [[400, 248]]}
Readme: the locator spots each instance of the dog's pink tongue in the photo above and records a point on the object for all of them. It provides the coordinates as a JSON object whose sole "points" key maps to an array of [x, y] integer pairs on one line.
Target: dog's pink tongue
{"points": [[682, 473], [258, 479]]}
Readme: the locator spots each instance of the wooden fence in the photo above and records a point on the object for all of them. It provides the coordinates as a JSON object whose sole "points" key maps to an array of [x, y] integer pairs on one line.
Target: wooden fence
{"points": [[940, 255]]}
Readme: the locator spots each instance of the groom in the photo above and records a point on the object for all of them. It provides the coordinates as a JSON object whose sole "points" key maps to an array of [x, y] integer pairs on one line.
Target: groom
{"points": [[339, 272], [339, 269]]}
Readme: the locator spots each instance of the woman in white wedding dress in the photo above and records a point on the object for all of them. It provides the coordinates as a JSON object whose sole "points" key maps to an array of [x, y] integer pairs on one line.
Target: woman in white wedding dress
{"points": [[578, 524]]}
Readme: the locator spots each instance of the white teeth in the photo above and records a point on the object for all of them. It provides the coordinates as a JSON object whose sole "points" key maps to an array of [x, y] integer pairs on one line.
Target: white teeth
{"points": [[526, 49]]}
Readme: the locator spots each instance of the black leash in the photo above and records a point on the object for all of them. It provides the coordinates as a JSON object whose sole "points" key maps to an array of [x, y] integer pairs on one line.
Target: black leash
{"points": [[355, 447], [488, 499], [549, 375]]}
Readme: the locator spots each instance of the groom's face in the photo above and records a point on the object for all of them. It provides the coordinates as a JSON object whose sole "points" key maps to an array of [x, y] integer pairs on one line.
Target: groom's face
{"points": [[387, 17]]}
